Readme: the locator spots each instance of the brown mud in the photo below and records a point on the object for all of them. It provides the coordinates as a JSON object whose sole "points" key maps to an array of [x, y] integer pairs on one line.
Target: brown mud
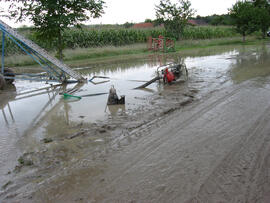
{"points": [[203, 140]]}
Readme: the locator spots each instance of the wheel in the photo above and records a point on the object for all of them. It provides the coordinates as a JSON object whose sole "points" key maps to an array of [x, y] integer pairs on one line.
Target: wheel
{"points": [[2, 82], [9, 72]]}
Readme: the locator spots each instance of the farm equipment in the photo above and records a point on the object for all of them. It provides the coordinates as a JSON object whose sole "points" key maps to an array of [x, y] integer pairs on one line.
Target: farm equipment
{"points": [[168, 73], [114, 99], [56, 70], [172, 72]]}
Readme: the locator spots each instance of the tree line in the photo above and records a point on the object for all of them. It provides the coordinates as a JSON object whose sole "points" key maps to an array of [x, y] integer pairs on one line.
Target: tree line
{"points": [[247, 16], [251, 15], [215, 20]]}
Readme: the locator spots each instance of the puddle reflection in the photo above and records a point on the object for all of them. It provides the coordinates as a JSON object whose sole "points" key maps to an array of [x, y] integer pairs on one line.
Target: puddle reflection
{"points": [[251, 63]]}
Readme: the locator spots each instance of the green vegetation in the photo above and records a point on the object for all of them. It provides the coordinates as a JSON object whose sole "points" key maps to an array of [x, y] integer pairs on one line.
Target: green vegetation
{"points": [[196, 44], [208, 32], [108, 42], [224, 19], [174, 16], [243, 14], [53, 17], [92, 38], [58, 27], [86, 56], [250, 16], [263, 19]]}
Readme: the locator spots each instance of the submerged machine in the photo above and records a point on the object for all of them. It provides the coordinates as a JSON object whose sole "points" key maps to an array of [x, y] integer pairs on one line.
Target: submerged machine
{"points": [[168, 73], [172, 72]]}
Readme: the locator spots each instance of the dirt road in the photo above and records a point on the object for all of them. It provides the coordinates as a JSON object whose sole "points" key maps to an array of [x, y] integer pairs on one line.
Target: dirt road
{"points": [[214, 150]]}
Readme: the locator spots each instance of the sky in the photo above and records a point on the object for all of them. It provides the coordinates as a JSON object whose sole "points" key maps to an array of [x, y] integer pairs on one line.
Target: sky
{"points": [[135, 11]]}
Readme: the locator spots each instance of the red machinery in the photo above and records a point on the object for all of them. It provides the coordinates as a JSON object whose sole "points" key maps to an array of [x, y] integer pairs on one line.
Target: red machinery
{"points": [[168, 76], [168, 73], [172, 72]]}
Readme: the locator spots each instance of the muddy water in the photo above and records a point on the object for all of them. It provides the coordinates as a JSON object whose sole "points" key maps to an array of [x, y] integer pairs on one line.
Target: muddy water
{"points": [[56, 133]]}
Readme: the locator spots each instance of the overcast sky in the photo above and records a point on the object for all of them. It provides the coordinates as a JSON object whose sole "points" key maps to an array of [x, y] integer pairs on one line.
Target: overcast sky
{"points": [[121, 11]]}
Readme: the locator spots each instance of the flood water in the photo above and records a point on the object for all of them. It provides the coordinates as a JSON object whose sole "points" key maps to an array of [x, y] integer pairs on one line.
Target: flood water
{"points": [[32, 112]]}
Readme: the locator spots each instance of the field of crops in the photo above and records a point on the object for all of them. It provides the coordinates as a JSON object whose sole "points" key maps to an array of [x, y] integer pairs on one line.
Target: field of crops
{"points": [[208, 32], [90, 37]]}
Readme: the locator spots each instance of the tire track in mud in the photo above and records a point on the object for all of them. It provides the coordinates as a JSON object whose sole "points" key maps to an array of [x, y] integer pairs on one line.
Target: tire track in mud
{"points": [[243, 175], [151, 146]]}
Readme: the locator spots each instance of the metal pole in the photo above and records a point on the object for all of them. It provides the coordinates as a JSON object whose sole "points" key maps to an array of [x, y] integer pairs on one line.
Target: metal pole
{"points": [[3, 52], [5, 117], [10, 112]]}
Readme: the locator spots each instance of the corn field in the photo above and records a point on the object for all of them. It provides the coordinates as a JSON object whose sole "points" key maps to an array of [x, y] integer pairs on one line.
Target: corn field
{"points": [[208, 32], [87, 38]]}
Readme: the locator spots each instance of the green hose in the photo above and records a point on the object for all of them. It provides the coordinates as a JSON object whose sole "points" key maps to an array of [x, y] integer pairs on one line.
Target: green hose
{"points": [[66, 96]]}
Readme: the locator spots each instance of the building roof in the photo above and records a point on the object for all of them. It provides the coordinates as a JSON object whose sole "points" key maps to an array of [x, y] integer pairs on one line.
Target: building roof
{"points": [[197, 22], [143, 25]]}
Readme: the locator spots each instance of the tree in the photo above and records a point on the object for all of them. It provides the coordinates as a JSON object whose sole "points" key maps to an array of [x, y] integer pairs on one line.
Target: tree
{"points": [[128, 25], [243, 14], [263, 15], [147, 20], [261, 2], [263, 20], [52, 17], [174, 16], [216, 20]]}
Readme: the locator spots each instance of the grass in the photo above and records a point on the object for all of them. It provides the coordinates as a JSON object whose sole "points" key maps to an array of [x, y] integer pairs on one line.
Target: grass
{"points": [[191, 44], [109, 51], [82, 56]]}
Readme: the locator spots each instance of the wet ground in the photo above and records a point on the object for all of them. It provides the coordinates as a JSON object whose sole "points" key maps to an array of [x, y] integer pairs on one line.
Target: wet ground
{"points": [[202, 140]]}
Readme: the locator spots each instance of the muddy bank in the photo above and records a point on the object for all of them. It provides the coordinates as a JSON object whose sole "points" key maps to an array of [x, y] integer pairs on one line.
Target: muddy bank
{"points": [[205, 140], [84, 145]]}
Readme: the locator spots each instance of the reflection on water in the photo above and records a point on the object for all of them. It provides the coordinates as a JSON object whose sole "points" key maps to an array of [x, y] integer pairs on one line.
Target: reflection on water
{"points": [[251, 63], [33, 111], [116, 109]]}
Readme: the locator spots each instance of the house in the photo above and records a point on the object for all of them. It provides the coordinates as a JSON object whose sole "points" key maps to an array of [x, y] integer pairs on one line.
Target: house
{"points": [[192, 22]]}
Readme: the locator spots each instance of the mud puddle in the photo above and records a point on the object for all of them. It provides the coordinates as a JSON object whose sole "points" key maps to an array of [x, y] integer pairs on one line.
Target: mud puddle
{"points": [[43, 135]]}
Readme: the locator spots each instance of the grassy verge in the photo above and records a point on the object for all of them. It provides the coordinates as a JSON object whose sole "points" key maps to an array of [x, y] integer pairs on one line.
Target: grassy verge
{"points": [[82, 56], [191, 44]]}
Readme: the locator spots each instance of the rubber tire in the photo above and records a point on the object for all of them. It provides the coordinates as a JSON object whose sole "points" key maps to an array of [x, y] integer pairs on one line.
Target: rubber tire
{"points": [[2, 82], [10, 73]]}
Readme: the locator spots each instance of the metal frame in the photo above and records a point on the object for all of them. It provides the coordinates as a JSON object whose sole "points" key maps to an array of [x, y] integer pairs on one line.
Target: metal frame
{"points": [[161, 43], [53, 74], [3, 53]]}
